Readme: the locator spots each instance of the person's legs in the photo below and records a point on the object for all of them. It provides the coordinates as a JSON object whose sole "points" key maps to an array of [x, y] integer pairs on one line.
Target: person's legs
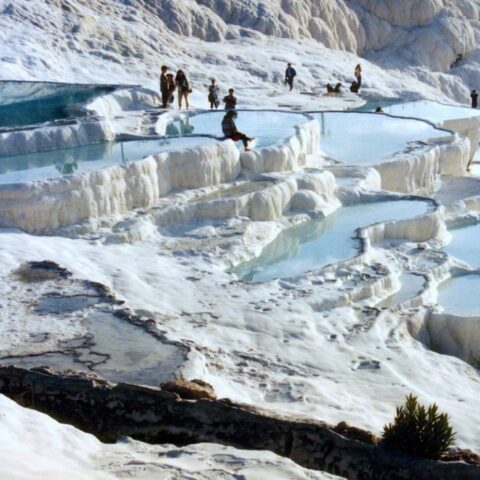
{"points": [[186, 101], [241, 136], [290, 83], [165, 97], [180, 96]]}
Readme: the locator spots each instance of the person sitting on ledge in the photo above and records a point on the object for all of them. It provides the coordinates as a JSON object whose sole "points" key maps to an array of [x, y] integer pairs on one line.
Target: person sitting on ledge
{"points": [[379, 110], [230, 130], [330, 89], [354, 87], [338, 88]]}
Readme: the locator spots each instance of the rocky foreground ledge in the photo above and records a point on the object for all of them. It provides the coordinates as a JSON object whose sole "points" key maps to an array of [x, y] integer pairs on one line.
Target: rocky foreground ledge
{"points": [[160, 416]]}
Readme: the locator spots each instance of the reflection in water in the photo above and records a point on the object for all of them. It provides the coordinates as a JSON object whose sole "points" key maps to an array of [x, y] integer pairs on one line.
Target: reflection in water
{"points": [[50, 164], [179, 128], [67, 168], [323, 241]]}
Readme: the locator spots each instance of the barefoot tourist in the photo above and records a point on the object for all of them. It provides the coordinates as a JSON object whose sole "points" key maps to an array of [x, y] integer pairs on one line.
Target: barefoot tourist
{"points": [[184, 89], [230, 130], [213, 93]]}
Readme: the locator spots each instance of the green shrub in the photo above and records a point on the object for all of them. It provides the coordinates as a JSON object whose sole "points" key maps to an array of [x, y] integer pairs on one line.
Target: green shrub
{"points": [[418, 430]]}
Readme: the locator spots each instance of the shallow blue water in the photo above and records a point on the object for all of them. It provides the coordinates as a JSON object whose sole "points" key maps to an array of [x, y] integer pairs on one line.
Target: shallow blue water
{"points": [[431, 111], [57, 163], [368, 139], [29, 103], [323, 241], [461, 295], [465, 245], [269, 128]]}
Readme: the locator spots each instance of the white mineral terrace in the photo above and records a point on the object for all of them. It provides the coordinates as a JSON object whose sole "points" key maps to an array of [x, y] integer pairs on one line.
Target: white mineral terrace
{"points": [[320, 274]]}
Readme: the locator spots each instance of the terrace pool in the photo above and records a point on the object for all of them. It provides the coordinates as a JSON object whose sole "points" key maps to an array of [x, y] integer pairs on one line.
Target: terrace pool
{"points": [[324, 241], [459, 295], [465, 245], [30, 103], [431, 111], [269, 128], [57, 163], [369, 138]]}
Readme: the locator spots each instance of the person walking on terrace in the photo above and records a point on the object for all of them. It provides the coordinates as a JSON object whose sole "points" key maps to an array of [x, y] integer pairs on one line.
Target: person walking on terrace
{"points": [[474, 97], [230, 130], [290, 74], [183, 87], [213, 93], [164, 87]]}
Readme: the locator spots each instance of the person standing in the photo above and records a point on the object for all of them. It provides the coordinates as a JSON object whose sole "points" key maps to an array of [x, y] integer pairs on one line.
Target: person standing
{"points": [[183, 87], [213, 92], [230, 100], [290, 74], [164, 89], [474, 97], [358, 75], [171, 89]]}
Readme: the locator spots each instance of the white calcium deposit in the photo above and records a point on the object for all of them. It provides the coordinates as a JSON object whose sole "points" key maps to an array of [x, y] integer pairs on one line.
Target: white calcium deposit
{"points": [[163, 233]]}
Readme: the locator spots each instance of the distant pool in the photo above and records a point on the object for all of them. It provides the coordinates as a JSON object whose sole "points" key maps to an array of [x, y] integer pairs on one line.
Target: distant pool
{"points": [[324, 241], [465, 245], [369, 139], [460, 295], [30, 103], [57, 163], [431, 111], [269, 128]]}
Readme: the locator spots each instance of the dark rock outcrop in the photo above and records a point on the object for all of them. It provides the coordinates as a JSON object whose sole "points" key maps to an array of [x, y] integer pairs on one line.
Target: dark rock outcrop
{"points": [[190, 389], [152, 415]]}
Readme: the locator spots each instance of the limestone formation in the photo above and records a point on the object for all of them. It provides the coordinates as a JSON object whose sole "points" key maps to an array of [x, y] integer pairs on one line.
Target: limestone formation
{"points": [[152, 415]]}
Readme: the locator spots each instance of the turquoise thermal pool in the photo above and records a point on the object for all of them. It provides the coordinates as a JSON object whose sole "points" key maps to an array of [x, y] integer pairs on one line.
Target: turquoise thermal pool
{"points": [[465, 245], [369, 139], [57, 163], [30, 103], [320, 242], [460, 296], [269, 128], [431, 111]]}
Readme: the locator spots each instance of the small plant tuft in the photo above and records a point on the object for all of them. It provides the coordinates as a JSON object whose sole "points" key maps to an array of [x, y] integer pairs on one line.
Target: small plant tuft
{"points": [[418, 430]]}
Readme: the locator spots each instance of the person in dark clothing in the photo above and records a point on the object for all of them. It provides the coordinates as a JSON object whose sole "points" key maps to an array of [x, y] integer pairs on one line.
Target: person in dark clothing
{"points": [[379, 110], [358, 75], [230, 100], [354, 87], [474, 97], [230, 130], [330, 89], [164, 91], [213, 92], [338, 88], [171, 88], [290, 74]]}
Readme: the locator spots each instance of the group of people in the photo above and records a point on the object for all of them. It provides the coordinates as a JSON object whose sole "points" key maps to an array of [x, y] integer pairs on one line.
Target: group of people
{"points": [[354, 87], [170, 83]]}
